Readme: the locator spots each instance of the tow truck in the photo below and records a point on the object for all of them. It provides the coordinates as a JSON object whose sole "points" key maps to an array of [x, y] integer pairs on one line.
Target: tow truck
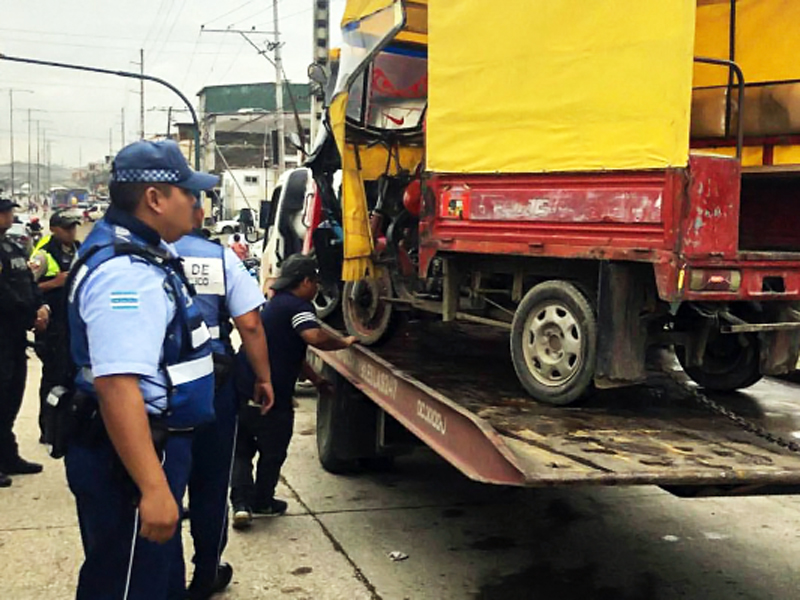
{"points": [[593, 190]]}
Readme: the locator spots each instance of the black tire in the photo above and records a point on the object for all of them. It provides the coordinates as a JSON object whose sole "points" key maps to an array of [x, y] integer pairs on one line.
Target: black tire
{"points": [[330, 430], [730, 363], [227, 230], [554, 343], [366, 316]]}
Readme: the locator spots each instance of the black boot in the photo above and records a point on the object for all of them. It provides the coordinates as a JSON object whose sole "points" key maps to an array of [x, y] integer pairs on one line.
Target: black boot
{"points": [[20, 466], [5, 480], [204, 590]]}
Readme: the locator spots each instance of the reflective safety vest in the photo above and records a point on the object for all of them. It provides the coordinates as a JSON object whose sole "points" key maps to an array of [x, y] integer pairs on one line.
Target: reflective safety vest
{"points": [[52, 264], [186, 363], [204, 265]]}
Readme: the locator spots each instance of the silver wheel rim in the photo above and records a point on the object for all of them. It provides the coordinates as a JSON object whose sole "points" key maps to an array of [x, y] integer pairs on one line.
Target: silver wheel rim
{"points": [[323, 301], [552, 344]]}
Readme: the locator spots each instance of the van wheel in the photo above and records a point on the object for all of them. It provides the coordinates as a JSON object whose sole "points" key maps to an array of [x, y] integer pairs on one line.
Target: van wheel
{"points": [[367, 314], [731, 362], [554, 343], [327, 300]]}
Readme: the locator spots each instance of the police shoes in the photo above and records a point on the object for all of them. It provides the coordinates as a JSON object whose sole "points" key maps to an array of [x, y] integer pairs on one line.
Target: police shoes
{"points": [[20, 466], [200, 591]]}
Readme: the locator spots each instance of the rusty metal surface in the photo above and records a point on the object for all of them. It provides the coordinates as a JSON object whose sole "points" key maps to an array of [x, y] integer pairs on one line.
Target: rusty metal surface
{"points": [[454, 386]]}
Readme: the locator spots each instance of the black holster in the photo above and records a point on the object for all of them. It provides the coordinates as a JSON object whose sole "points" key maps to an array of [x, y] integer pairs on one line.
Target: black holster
{"points": [[223, 368], [68, 415]]}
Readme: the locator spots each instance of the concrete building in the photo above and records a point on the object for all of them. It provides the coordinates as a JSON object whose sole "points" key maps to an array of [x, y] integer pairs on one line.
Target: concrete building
{"points": [[239, 123]]}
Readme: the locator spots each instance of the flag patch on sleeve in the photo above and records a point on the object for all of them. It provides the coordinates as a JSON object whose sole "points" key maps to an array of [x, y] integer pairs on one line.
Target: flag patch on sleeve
{"points": [[124, 300]]}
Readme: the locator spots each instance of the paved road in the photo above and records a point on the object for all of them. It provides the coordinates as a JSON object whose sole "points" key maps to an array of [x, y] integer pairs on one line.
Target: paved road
{"points": [[464, 540]]}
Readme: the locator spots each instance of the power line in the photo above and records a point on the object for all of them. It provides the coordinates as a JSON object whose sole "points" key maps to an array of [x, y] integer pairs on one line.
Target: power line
{"points": [[230, 12]]}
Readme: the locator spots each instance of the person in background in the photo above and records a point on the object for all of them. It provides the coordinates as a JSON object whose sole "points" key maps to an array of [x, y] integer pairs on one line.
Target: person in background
{"points": [[291, 325], [239, 247], [52, 346], [21, 308]]}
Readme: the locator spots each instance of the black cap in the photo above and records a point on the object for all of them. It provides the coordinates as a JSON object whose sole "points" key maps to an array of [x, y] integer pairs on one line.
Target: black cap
{"points": [[296, 268], [64, 220], [7, 204]]}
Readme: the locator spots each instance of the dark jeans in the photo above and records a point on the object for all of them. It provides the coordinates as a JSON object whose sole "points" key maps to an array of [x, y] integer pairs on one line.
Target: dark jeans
{"points": [[269, 436], [13, 371]]}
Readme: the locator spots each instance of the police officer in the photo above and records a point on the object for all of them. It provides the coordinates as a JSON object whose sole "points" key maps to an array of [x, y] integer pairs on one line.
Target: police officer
{"points": [[21, 308], [58, 250], [144, 378], [225, 290]]}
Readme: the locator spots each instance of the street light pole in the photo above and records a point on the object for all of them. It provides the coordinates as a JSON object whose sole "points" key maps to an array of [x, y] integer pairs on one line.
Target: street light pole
{"points": [[279, 91], [127, 74]]}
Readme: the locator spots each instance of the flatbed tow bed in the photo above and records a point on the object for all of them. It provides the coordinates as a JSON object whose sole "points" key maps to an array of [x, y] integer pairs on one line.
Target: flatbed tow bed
{"points": [[453, 387]]}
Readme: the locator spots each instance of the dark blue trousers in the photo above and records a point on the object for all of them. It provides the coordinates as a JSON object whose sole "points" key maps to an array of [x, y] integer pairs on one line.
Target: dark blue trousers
{"points": [[118, 563], [212, 455]]}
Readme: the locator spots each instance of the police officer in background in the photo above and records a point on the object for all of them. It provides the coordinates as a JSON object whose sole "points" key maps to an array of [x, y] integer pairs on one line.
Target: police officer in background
{"points": [[144, 378], [21, 309], [58, 250], [225, 290]]}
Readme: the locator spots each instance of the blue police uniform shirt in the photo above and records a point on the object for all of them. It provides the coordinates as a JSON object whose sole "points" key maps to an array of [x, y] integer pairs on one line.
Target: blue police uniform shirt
{"points": [[126, 308], [214, 271], [284, 317]]}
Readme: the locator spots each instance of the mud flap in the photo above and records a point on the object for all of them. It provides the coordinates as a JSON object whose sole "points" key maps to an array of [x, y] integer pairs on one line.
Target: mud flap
{"points": [[624, 298]]}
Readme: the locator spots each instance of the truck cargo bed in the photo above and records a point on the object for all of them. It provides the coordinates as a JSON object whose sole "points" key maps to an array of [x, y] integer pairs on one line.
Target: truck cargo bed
{"points": [[454, 387]]}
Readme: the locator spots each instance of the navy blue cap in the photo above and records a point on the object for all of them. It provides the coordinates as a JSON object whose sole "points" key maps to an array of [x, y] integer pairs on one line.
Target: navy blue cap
{"points": [[158, 162], [7, 204]]}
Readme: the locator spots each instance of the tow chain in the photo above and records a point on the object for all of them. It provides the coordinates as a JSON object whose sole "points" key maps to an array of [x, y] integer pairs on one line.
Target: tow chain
{"points": [[737, 419]]}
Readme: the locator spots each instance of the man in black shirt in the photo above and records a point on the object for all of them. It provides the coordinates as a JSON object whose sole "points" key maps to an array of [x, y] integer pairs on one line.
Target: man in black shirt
{"points": [[291, 325], [21, 309]]}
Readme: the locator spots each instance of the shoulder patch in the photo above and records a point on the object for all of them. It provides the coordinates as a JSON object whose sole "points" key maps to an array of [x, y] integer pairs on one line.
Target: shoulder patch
{"points": [[124, 300]]}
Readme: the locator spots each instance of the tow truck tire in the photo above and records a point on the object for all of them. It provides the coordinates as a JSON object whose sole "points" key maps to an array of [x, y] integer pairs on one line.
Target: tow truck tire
{"points": [[347, 427], [331, 429], [367, 315], [730, 363], [554, 343]]}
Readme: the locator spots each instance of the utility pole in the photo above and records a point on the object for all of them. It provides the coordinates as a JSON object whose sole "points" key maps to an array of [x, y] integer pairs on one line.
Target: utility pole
{"points": [[279, 89], [38, 164], [29, 154], [11, 129], [141, 94], [321, 52]]}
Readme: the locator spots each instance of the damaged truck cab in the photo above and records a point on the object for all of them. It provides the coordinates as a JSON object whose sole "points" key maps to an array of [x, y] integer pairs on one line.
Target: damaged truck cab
{"points": [[594, 178]]}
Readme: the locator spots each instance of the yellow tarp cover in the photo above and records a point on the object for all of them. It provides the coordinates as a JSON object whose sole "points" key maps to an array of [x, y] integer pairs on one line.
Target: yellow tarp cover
{"points": [[767, 40], [356, 10], [566, 85], [355, 216]]}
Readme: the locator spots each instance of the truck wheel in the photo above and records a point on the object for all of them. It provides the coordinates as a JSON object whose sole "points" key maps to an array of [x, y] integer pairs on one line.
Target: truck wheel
{"points": [[331, 430], [731, 362], [554, 342], [347, 427], [367, 314]]}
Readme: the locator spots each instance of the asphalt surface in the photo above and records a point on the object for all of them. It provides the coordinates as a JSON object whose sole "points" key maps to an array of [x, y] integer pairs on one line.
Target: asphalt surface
{"points": [[462, 539]]}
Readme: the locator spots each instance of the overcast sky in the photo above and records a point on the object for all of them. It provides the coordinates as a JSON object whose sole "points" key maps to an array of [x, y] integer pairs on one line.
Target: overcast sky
{"points": [[78, 110]]}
